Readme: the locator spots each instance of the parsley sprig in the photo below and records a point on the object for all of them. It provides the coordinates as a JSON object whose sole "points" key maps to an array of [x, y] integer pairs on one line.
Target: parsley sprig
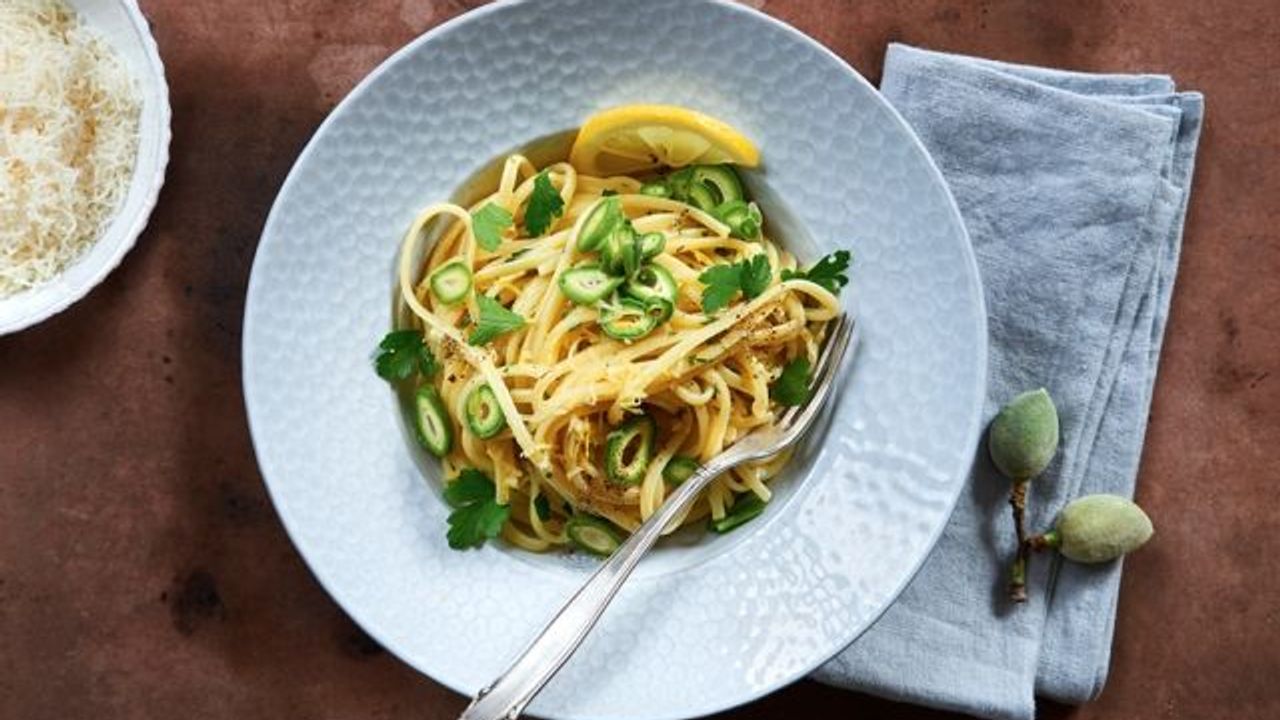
{"points": [[545, 205], [488, 223], [402, 353], [476, 515], [829, 272], [723, 282], [792, 386], [494, 320]]}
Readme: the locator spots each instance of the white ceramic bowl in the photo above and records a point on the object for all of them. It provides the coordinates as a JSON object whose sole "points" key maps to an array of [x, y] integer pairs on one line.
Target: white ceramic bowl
{"points": [[708, 623], [123, 25]]}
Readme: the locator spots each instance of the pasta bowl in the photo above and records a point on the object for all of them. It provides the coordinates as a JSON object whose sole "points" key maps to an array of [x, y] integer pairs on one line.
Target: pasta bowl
{"points": [[708, 622]]}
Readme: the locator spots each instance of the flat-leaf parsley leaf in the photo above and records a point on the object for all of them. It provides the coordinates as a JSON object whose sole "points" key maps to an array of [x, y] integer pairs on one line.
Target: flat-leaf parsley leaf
{"points": [[470, 486], [829, 272], [476, 515], [792, 386], [488, 223], [402, 353], [756, 275], [494, 320], [545, 205], [723, 282]]}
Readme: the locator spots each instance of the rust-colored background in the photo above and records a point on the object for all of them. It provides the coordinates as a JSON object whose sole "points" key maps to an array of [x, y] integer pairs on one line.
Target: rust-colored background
{"points": [[143, 573]]}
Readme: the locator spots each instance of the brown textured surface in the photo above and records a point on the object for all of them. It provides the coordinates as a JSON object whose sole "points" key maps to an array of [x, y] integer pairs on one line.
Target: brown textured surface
{"points": [[143, 572]]}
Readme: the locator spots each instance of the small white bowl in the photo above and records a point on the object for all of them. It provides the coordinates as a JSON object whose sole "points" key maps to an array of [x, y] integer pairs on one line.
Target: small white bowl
{"points": [[122, 24]]}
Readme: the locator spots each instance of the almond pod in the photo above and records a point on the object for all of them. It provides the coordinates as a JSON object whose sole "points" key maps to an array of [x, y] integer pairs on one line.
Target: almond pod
{"points": [[1099, 528], [1024, 436]]}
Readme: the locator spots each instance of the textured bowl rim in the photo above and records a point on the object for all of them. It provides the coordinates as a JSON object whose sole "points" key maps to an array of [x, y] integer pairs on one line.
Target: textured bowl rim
{"points": [[120, 237], [972, 433]]}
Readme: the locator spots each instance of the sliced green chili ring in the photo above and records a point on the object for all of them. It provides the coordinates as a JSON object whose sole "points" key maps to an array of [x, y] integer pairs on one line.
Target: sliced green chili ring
{"points": [[434, 431], [721, 179], [657, 188], [628, 450], [743, 218], [679, 469], [651, 245], [626, 320], [732, 212], [587, 284], [702, 197], [751, 227], [451, 283], [600, 222], [746, 508], [652, 281], [730, 209], [619, 254], [660, 309], [592, 535], [679, 182], [484, 415]]}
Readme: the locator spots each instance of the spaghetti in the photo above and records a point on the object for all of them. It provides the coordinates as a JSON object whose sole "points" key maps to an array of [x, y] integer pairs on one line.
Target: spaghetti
{"points": [[548, 405]]}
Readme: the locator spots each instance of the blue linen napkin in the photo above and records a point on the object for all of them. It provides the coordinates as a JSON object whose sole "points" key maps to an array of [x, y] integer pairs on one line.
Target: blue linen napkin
{"points": [[1073, 187]]}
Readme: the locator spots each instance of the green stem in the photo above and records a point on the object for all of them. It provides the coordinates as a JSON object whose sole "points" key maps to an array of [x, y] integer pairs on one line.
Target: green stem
{"points": [[1018, 579], [1018, 573], [1045, 541]]}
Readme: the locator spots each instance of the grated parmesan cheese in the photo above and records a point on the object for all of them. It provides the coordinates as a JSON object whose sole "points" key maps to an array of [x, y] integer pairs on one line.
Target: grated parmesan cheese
{"points": [[68, 139]]}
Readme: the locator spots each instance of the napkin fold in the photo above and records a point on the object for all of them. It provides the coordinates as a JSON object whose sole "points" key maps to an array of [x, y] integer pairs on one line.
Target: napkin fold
{"points": [[1073, 187]]}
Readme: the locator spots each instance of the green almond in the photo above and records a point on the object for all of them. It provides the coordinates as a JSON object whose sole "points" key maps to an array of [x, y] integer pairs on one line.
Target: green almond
{"points": [[1024, 436], [1099, 528]]}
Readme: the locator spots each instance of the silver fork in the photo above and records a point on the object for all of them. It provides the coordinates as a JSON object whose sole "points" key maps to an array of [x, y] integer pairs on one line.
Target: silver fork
{"points": [[507, 696]]}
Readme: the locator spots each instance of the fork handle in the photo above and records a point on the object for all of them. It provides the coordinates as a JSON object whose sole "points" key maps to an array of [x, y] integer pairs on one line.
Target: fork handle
{"points": [[507, 696]]}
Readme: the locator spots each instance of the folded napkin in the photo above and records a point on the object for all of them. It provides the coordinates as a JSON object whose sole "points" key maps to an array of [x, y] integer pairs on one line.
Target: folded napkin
{"points": [[1073, 187]]}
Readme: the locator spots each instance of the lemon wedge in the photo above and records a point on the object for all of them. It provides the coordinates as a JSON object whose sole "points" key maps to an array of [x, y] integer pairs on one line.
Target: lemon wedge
{"points": [[635, 138]]}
